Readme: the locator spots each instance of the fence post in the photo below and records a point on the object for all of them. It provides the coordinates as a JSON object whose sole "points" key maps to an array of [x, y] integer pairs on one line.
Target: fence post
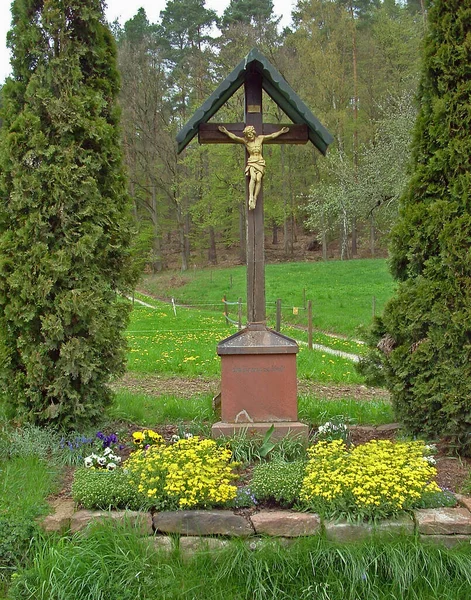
{"points": [[278, 315], [226, 313], [309, 324], [240, 313], [374, 307], [174, 307]]}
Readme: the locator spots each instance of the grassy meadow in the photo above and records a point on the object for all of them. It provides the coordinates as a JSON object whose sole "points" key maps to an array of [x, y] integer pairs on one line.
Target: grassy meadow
{"points": [[341, 292]]}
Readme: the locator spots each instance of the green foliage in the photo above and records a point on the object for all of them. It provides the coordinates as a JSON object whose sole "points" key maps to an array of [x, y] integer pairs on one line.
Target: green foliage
{"points": [[278, 480], [30, 441], [25, 483], [336, 429], [16, 536], [424, 331], [370, 412], [111, 562], [64, 228], [106, 490], [248, 447]]}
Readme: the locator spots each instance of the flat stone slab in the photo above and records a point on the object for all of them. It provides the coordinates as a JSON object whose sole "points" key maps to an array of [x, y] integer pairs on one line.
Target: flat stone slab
{"points": [[190, 545], [161, 543], [285, 524], [449, 541], [464, 501], [343, 531], [202, 522], [60, 519], [443, 521], [140, 521]]}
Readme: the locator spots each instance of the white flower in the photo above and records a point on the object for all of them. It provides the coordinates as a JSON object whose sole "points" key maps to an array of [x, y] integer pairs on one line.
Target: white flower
{"points": [[88, 461], [174, 438], [430, 460], [101, 460], [111, 466], [188, 436], [106, 451]]}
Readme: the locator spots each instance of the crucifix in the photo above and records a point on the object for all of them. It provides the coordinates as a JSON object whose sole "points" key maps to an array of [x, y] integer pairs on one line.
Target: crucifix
{"points": [[253, 134], [258, 365]]}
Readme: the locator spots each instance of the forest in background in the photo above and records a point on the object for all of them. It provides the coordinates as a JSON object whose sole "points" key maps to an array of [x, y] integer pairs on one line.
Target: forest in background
{"points": [[354, 63]]}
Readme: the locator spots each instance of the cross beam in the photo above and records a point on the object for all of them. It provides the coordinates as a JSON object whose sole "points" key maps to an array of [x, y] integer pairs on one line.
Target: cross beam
{"points": [[208, 133]]}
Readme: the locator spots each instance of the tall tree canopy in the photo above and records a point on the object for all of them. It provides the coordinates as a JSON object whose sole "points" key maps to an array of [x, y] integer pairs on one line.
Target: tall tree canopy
{"points": [[64, 232], [426, 328]]}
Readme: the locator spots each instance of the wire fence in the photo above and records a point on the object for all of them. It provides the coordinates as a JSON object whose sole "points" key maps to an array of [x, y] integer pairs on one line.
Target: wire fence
{"points": [[230, 305]]}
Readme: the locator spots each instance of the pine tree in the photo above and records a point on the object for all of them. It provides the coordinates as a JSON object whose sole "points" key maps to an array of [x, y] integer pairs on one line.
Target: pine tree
{"points": [[64, 229], [426, 328]]}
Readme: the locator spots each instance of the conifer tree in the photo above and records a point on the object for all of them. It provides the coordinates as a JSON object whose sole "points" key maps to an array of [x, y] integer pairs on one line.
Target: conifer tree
{"points": [[64, 229], [425, 330]]}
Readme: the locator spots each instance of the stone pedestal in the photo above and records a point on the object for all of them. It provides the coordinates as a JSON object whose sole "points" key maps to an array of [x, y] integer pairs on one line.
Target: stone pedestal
{"points": [[258, 383]]}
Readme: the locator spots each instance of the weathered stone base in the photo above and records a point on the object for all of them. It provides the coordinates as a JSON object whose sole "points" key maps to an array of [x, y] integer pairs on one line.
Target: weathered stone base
{"points": [[192, 530], [281, 429]]}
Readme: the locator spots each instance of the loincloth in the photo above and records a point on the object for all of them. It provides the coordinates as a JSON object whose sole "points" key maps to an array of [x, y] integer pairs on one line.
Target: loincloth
{"points": [[258, 164]]}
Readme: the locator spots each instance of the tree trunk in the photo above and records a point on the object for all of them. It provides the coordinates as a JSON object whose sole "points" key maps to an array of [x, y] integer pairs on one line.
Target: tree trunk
{"points": [[344, 250], [157, 261], [186, 241], [324, 236], [287, 239], [274, 240], [372, 235], [212, 254], [354, 236]]}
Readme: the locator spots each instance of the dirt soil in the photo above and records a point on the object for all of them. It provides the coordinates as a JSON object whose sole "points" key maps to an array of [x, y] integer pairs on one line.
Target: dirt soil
{"points": [[156, 385]]}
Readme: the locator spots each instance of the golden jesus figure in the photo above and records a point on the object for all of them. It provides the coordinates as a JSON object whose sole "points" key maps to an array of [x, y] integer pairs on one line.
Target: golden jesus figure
{"points": [[255, 168]]}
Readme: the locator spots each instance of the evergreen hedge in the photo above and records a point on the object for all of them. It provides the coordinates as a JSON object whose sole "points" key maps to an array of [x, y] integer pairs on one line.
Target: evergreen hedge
{"points": [[64, 229], [425, 332]]}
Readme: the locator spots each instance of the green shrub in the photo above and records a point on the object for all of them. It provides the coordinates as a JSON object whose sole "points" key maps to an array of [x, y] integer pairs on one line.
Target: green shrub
{"points": [[64, 217], [32, 440], [422, 342], [105, 489], [15, 539], [278, 480]]}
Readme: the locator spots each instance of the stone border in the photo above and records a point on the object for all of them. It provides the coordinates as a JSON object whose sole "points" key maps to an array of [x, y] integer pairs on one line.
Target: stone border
{"points": [[446, 526]]}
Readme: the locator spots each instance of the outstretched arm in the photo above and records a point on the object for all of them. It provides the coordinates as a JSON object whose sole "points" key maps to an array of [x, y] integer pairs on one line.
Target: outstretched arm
{"points": [[236, 138], [272, 136]]}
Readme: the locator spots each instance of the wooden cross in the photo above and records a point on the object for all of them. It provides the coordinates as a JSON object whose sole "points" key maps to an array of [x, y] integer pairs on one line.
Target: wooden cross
{"points": [[209, 133]]}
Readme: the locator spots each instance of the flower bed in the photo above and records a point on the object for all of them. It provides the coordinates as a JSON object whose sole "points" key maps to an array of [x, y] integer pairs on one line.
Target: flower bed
{"points": [[372, 481]]}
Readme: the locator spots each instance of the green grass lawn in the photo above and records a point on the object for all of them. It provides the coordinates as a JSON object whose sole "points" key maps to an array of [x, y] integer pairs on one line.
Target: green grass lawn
{"points": [[341, 291]]}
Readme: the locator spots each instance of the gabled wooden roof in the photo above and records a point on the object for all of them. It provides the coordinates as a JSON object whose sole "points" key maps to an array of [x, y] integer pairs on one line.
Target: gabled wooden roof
{"points": [[274, 85]]}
